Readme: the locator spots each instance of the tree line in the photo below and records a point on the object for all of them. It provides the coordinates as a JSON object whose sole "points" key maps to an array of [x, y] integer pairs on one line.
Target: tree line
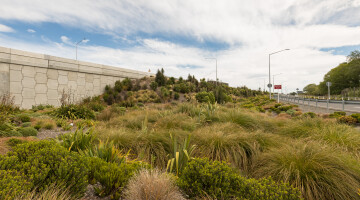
{"points": [[345, 75]]}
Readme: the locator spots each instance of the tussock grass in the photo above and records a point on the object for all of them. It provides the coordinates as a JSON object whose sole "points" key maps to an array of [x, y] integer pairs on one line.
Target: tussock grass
{"points": [[176, 121], [320, 172], [340, 135], [300, 128], [231, 143], [152, 147], [249, 120], [53, 192], [152, 185]]}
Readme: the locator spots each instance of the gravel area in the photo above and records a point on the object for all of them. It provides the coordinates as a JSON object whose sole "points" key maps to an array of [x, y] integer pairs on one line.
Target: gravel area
{"points": [[45, 134]]}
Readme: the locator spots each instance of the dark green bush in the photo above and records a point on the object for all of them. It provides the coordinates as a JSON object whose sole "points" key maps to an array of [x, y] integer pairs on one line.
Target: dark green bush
{"points": [[153, 85], [46, 162], [356, 116], [28, 131], [310, 115], [127, 84], [26, 124], [202, 177], [24, 118], [337, 114], [205, 97], [73, 111], [12, 184], [113, 177], [176, 96], [7, 129]]}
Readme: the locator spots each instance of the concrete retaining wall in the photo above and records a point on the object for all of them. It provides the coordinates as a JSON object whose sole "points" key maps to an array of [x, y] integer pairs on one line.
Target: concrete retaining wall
{"points": [[35, 79]]}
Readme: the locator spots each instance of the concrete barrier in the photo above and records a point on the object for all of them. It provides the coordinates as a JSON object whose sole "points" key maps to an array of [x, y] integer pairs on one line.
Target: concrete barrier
{"points": [[35, 79]]}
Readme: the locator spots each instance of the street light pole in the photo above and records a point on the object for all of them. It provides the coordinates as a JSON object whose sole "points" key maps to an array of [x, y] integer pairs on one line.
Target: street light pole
{"points": [[269, 85], [76, 45]]}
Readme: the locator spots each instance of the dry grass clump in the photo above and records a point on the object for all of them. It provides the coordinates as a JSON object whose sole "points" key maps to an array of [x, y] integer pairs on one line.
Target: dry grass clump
{"points": [[152, 185], [320, 172], [53, 192]]}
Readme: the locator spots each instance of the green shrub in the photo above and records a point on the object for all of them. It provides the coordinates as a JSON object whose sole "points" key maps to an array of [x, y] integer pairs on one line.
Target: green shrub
{"points": [[176, 96], [347, 120], [46, 162], [12, 184], [291, 112], [205, 97], [202, 177], [73, 111], [127, 84], [24, 118], [28, 131], [217, 180], [337, 114], [95, 106], [26, 124], [14, 141], [153, 85], [356, 116], [60, 122], [113, 177], [310, 115]]}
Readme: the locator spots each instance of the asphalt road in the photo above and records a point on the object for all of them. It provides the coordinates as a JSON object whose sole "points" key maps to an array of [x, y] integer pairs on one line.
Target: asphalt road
{"points": [[353, 108]]}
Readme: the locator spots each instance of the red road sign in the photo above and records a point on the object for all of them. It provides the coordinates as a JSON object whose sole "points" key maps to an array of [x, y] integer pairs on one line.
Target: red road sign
{"points": [[278, 87]]}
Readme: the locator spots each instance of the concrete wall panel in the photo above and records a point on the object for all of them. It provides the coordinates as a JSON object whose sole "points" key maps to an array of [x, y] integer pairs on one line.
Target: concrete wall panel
{"points": [[35, 79]]}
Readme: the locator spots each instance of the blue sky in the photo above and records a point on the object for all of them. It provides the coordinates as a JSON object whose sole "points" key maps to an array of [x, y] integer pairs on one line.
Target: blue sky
{"points": [[179, 35]]}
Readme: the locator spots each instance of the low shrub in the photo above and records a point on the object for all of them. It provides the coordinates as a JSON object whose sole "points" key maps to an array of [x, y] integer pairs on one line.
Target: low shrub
{"points": [[24, 118], [347, 120], [28, 131], [310, 114], [217, 180], [356, 116], [176, 96], [14, 141], [113, 177], [337, 114], [291, 112], [26, 124], [73, 111], [44, 163], [12, 184], [152, 185], [205, 97]]}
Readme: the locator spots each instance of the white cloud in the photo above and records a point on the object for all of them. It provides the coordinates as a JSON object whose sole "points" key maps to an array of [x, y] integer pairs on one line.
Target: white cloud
{"points": [[31, 30], [4, 28], [253, 29], [66, 40]]}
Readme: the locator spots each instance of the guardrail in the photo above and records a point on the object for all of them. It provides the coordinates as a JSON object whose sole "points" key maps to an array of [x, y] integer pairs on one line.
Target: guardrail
{"points": [[314, 102]]}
